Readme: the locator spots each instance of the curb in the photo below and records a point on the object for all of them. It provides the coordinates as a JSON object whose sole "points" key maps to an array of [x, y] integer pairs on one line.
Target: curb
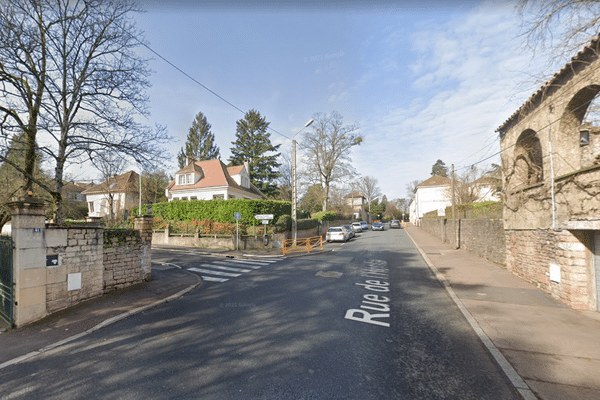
{"points": [[103, 324], [516, 380]]}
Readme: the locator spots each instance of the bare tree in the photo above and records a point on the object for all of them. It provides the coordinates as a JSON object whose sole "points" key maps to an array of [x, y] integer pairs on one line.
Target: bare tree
{"points": [[368, 186], [110, 165], [559, 27], [327, 151], [22, 80], [411, 188], [82, 55]]}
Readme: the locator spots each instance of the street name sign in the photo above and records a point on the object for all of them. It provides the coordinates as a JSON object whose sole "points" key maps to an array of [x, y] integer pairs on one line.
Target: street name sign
{"points": [[263, 216]]}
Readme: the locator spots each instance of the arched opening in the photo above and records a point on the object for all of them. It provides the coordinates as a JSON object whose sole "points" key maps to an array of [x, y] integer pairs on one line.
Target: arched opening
{"points": [[528, 165], [584, 108]]}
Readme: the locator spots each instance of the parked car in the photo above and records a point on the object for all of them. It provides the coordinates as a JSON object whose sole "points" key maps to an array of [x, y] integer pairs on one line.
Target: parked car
{"points": [[336, 233], [395, 224], [351, 233], [377, 226], [364, 225], [357, 227]]}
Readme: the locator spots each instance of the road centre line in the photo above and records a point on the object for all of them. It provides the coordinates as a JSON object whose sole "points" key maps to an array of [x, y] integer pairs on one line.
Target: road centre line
{"points": [[225, 268], [230, 264], [219, 273]]}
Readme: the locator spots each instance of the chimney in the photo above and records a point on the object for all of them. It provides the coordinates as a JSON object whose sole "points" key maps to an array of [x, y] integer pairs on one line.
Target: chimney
{"points": [[247, 165], [189, 161]]}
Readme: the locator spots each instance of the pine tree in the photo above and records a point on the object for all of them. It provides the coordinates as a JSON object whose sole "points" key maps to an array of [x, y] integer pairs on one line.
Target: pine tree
{"points": [[439, 168], [200, 144], [252, 144]]}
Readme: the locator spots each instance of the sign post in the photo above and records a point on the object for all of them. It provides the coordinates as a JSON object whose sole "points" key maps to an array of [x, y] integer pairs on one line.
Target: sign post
{"points": [[237, 217]]}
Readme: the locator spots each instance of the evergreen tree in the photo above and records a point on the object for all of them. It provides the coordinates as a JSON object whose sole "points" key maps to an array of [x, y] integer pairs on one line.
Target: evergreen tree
{"points": [[439, 168], [200, 143], [252, 144]]}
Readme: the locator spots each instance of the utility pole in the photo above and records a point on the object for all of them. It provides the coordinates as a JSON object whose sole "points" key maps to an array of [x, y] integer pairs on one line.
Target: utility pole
{"points": [[454, 225]]}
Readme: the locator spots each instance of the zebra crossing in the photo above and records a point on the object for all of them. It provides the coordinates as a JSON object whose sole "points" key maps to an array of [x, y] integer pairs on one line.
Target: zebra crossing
{"points": [[221, 271]]}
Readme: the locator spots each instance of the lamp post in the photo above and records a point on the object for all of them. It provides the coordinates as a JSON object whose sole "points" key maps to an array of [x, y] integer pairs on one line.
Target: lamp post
{"points": [[294, 193]]}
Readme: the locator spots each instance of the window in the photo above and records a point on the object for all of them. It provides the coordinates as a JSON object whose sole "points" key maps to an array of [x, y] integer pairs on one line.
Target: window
{"points": [[189, 179], [194, 198], [181, 180], [231, 196], [218, 196], [91, 206]]}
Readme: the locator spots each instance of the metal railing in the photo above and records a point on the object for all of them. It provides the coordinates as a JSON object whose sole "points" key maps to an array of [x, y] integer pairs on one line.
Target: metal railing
{"points": [[302, 245]]}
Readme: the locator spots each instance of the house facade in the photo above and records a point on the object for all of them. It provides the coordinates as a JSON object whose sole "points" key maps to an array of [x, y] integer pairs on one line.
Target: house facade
{"points": [[211, 179], [431, 194], [357, 202], [551, 182], [113, 196]]}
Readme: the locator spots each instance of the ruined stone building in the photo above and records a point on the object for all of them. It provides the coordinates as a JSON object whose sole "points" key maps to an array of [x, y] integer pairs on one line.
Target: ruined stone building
{"points": [[551, 182]]}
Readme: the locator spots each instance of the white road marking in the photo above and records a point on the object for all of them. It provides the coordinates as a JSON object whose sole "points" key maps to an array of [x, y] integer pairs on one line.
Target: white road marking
{"points": [[225, 268], [231, 264], [209, 272], [214, 279], [261, 262]]}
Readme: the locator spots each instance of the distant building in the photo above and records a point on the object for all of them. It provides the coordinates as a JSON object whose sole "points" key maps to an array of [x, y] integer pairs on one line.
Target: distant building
{"points": [[211, 179], [357, 201], [119, 192], [431, 194]]}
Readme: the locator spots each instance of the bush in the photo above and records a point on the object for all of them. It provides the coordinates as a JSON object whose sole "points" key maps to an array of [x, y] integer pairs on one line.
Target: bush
{"points": [[325, 216], [219, 210], [307, 224], [284, 223]]}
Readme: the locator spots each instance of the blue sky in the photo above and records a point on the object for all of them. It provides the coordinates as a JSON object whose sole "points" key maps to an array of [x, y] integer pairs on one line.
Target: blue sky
{"points": [[425, 80]]}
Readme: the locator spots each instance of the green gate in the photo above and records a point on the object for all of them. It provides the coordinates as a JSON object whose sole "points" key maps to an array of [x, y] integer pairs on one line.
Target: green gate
{"points": [[6, 279]]}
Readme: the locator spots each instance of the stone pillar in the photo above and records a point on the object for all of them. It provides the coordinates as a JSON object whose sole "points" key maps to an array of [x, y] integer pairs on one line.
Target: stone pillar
{"points": [[29, 237], [144, 224]]}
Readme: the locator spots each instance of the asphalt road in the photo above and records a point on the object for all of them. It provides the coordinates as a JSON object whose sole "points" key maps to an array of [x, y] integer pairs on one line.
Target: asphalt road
{"points": [[367, 321]]}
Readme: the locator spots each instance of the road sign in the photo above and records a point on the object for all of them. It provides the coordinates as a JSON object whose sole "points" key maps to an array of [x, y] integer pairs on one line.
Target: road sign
{"points": [[265, 222], [237, 215], [263, 216]]}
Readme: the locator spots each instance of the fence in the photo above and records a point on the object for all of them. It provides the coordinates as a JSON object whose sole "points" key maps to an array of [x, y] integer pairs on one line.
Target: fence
{"points": [[302, 245], [6, 279]]}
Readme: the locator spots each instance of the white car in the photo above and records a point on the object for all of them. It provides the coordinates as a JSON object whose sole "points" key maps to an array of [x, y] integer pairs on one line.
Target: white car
{"points": [[357, 227], [336, 233]]}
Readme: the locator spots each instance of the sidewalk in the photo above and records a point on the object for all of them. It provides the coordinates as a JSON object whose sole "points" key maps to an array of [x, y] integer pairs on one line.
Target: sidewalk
{"points": [[65, 325], [553, 348]]}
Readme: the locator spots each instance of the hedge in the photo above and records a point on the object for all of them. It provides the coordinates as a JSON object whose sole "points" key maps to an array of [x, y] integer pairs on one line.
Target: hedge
{"points": [[219, 210]]}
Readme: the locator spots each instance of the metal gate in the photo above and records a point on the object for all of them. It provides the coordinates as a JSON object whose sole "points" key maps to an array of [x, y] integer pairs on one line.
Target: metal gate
{"points": [[6, 279]]}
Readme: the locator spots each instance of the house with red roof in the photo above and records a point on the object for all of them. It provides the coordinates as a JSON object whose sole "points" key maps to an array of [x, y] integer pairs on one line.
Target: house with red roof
{"points": [[113, 196], [211, 179]]}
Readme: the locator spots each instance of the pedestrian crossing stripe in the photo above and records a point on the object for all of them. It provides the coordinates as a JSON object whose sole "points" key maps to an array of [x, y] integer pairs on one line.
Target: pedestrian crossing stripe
{"points": [[257, 262], [214, 279], [225, 268], [209, 272], [231, 264]]}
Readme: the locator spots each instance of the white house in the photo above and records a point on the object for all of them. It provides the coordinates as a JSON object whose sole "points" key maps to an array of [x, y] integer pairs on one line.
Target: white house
{"points": [[120, 190], [431, 194], [211, 179]]}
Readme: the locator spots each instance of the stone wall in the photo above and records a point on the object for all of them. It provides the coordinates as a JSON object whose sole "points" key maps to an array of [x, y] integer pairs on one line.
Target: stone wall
{"points": [[73, 265], [557, 262], [124, 254], [482, 237], [56, 267]]}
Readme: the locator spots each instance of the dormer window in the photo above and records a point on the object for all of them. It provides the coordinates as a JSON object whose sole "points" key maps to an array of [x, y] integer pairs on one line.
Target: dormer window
{"points": [[185, 179]]}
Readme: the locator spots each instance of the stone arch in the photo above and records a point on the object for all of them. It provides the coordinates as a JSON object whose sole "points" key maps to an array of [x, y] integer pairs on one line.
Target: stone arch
{"points": [[578, 109], [528, 164]]}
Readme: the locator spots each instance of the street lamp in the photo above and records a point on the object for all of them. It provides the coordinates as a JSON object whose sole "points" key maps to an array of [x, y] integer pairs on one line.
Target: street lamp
{"points": [[294, 194]]}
